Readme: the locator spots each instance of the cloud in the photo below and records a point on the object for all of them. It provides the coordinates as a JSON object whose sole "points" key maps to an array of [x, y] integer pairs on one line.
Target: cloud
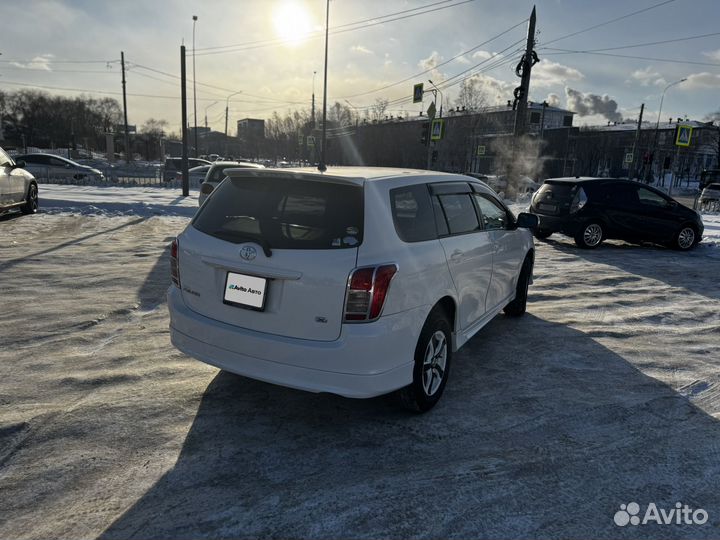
{"points": [[713, 55], [497, 91], [553, 100], [361, 49], [646, 77], [589, 104], [483, 55], [547, 73], [431, 61], [462, 60], [388, 60], [702, 80], [41, 62]]}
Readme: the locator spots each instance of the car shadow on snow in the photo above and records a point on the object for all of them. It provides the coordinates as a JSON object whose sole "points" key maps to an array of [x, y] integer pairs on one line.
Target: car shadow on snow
{"points": [[542, 433], [695, 270]]}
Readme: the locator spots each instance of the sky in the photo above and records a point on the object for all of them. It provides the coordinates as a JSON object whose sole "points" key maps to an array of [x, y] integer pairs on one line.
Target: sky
{"points": [[267, 51]]}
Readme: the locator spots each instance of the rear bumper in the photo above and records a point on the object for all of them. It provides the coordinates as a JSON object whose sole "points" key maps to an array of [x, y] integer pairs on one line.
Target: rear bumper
{"points": [[564, 224], [367, 360]]}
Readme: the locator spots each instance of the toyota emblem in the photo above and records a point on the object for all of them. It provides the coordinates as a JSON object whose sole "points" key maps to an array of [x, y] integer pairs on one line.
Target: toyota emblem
{"points": [[248, 253]]}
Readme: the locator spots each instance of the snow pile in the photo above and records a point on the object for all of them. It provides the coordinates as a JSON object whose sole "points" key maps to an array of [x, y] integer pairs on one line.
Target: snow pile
{"points": [[116, 201]]}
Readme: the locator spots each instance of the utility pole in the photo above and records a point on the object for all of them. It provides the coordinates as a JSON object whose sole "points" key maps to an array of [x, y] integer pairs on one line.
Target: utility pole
{"points": [[127, 136], [322, 166], [636, 144], [194, 93], [183, 101], [312, 114], [523, 71]]}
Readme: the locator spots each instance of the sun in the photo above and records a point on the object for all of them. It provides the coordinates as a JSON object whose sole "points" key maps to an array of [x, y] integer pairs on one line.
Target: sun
{"points": [[291, 21]]}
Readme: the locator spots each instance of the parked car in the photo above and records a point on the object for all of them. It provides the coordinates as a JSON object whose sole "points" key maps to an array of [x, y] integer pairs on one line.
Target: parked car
{"points": [[18, 188], [591, 210], [357, 281], [216, 173], [710, 198], [52, 167], [173, 166]]}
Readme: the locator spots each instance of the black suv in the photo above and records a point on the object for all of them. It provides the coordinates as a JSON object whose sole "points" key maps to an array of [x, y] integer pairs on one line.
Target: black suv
{"points": [[593, 209]]}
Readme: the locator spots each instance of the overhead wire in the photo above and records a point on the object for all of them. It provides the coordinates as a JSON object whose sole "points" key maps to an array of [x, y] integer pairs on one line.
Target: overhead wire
{"points": [[313, 35]]}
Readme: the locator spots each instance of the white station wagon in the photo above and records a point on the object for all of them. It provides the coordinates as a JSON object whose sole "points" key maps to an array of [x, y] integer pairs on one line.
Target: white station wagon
{"points": [[355, 281]]}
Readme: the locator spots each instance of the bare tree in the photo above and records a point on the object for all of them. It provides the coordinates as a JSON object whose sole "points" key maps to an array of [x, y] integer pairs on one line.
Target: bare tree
{"points": [[377, 110], [472, 97]]}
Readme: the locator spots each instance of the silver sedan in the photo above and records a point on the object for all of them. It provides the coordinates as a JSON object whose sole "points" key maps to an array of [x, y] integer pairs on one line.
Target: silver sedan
{"points": [[18, 188]]}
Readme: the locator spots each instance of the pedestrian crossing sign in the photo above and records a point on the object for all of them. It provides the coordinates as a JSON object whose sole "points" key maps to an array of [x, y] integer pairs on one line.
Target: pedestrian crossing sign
{"points": [[684, 133]]}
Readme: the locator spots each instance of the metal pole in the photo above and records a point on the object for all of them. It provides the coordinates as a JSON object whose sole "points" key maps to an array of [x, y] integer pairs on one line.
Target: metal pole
{"points": [[194, 93], [636, 143], [442, 98], [657, 125], [227, 105], [183, 111], [128, 153], [312, 114], [322, 166]]}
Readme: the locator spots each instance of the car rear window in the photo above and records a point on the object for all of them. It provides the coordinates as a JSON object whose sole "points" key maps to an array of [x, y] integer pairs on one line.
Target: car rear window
{"points": [[559, 191], [285, 213]]}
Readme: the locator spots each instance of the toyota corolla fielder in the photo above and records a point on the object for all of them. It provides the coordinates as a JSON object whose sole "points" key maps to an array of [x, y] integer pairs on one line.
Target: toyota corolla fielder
{"points": [[356, 281]]}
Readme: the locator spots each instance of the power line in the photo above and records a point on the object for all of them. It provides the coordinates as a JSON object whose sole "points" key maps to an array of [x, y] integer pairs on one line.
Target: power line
{"points": [[593, 27], [437, 66], [648, 44], [649, 58], [53, 61], [313, 35], [332, 28]]}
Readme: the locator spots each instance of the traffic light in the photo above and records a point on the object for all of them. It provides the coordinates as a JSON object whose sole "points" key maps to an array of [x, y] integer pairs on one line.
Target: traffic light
{"points": [[667, 162], [425, 133]]}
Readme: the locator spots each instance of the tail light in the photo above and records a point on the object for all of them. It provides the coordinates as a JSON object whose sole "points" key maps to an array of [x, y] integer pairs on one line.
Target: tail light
{"points": [[174, 266], [367, 290]]}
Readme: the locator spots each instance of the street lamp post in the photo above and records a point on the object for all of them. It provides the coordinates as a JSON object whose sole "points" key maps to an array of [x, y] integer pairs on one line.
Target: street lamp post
{"points": [[207, 144], [194, 89], [442, 98], [206, 110], [227, 106], [657, 125]]}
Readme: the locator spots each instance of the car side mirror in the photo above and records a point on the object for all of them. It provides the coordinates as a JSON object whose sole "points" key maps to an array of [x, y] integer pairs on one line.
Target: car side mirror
{"points": [[527, 221], [20, 164], [673, 204]]}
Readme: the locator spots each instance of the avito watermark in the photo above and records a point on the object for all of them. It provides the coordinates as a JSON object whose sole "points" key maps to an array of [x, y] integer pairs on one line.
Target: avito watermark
{"points": [[680, 514]]}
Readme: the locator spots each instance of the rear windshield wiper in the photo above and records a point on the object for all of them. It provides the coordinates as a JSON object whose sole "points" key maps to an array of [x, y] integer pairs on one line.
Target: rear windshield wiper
{"points": [[267, 250]]}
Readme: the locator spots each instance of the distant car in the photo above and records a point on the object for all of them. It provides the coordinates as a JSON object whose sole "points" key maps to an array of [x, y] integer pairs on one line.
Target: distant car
{"points": [[18, 188], [216, 174], [52, 167], [357, 281], [591, 210], [197, 174], [710, 198], [173, 166]]}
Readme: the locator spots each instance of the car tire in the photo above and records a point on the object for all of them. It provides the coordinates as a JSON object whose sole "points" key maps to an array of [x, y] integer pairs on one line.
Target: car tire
{"points": [[31, 203], [542, 234], [590, 235], [686, 238], [517, 307], [433, 355]]}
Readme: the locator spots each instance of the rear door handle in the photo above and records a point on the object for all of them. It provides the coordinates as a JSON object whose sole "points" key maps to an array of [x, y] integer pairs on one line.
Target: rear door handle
{"points": [[456, 254]]}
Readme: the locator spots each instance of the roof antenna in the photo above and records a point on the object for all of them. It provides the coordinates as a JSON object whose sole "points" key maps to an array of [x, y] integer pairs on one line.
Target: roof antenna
{"points": [[322, 167]]}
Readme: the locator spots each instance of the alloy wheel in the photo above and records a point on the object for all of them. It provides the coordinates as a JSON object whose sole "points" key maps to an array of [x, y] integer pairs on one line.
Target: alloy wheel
{"points": [[592, 234], [686, 238], [434, 363]]}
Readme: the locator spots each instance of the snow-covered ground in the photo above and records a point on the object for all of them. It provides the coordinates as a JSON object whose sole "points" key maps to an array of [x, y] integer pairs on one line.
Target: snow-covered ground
{"points": [[606, 392]]}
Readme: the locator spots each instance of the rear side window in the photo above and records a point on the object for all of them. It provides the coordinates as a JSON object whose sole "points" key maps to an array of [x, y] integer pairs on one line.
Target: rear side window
{"points": [[650, 198], [286, 213], [412, 213], [460, 213]]}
